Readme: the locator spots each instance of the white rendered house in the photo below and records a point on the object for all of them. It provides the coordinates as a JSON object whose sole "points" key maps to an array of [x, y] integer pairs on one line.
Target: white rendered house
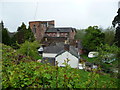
{"points": [[73, 60]]}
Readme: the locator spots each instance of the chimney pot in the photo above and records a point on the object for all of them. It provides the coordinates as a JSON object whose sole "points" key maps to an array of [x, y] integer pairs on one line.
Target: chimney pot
{"points": [[66, 47]]}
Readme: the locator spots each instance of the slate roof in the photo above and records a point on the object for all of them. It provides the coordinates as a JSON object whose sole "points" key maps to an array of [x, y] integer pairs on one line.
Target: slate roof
{"points": [[59, 49], [54, 48], [67, 29], [72, 50], [80, 45]]}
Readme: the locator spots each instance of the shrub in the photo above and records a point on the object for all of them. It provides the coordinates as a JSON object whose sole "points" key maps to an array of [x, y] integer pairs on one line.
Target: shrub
{"points": [[30, 49]]}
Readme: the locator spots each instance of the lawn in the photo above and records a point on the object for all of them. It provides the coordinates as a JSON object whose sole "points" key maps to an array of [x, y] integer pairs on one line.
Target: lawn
{"points": [[92, 60]]}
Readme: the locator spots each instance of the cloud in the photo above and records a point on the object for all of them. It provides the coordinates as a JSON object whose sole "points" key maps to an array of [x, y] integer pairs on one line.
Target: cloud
{"points": [[35, 0], [73, 13], [59, 0]]}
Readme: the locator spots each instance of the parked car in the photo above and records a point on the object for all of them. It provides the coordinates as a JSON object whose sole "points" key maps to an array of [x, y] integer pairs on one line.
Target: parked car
{"points": [[92, 54]]}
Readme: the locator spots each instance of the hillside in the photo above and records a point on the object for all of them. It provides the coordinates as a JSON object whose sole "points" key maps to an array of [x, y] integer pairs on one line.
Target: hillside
{"points": [[19, 71]]}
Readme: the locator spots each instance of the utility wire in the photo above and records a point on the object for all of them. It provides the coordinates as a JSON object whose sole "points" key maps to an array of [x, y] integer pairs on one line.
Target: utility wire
{"points": [[36, 10]]}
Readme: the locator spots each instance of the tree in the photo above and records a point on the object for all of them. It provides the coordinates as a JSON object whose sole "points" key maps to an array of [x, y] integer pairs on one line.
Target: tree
{"points": [[5, 37], [24, 34], [93, 38], [107, 52], [80, 34], [29, 35], [117, 34], [5, 34], [30, 49], [20, 33], [108, 58], [109, 36], [1, 28]]}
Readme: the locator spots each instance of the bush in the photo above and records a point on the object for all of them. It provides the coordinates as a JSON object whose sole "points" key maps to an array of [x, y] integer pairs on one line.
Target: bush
{"points": [[30, 49]]}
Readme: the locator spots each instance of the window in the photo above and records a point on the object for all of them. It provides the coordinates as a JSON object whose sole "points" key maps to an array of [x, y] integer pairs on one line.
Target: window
{"points": [[44, 25], [58, 34], [34, 29], [47, 24]]}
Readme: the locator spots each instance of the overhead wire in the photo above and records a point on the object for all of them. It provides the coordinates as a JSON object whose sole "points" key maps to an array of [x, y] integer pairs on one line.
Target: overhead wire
{"points": [[36, 10]]}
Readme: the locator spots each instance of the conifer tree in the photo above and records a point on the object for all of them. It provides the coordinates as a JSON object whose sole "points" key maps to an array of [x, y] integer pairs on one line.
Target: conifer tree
{"points": [[117, 34]]}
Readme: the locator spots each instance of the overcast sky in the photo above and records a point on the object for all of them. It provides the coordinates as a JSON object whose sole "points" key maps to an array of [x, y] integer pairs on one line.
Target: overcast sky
{"points": [[67, 13]]}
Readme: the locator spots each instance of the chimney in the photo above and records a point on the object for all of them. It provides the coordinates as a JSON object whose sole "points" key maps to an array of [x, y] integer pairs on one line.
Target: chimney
{"points": [[66, 46]]}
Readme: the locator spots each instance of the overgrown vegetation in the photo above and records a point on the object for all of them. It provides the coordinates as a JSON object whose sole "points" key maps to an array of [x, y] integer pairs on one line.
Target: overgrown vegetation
{"points": [[30, 49], [102, 41], [108, 59], [109, 36], [21, 71]]}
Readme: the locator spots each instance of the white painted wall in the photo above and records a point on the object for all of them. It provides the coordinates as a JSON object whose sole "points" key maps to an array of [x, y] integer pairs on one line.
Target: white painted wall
{"points": [[52, 55], [74, 61]]}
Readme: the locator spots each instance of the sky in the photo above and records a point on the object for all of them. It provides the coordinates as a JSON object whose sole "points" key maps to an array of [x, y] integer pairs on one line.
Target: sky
{"points": [[78, 14]]}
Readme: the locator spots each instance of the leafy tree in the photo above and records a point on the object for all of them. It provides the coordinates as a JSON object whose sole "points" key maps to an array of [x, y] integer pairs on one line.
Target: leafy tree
{"points": [[107, 52], [117, 34], [108, 57], [109, 36], [93, 38], [30, 49], [80, 34]]}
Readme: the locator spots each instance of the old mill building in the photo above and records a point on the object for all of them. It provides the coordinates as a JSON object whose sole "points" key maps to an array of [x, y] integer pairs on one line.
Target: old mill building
{"points": [[46, 30]]}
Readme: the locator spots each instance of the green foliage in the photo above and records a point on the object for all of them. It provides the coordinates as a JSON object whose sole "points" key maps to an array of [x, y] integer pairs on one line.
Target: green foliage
{"points": [[29, 35], [24, 34], [22, 72], [109, 36], [5, 37], [92, 60], [30, 49], [93, 38], [80, 34], [107, 52], [20, 36]]}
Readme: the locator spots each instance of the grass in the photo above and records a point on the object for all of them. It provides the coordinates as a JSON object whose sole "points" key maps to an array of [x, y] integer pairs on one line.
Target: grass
{"points": [[92, 60]]}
